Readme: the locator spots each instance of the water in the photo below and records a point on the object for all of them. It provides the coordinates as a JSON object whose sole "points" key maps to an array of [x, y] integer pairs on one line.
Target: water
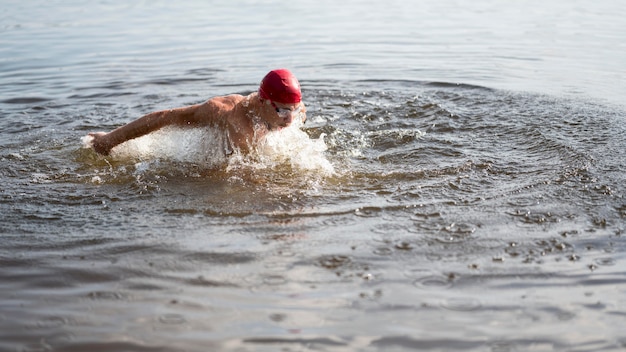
{"points": [[458, 185]]}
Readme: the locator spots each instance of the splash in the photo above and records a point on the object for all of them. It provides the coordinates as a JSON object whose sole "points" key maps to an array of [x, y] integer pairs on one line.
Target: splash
{"points": [[209, 147], [204, 146], [293, 146]]}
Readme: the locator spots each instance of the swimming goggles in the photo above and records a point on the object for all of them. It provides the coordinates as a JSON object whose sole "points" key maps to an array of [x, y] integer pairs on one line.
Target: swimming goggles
{"points": [[285, 112]]}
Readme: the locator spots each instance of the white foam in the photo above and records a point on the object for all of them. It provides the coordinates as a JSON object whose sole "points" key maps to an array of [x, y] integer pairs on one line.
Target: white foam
{"points": [[87, 141], [292, 145], [210, 148], [204, 146]]}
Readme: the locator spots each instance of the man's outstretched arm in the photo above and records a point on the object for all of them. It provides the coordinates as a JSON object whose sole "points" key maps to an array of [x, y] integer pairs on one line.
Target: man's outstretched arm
{"points": [[104, 142]]}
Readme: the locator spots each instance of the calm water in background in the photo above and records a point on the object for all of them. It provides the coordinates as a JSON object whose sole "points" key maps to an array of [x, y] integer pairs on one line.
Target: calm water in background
{"points": [[459, 184]]}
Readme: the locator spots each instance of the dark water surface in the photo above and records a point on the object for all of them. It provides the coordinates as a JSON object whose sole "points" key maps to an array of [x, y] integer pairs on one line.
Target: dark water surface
{"points": [[459, 184]]}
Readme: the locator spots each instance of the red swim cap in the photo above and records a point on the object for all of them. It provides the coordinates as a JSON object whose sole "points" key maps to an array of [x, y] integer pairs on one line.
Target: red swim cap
{"points": [[280, 86]]}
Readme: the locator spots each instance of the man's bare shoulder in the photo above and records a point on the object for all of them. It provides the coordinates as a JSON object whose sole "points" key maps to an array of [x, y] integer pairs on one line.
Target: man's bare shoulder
{"points": [[225, 102], [218, 109]]}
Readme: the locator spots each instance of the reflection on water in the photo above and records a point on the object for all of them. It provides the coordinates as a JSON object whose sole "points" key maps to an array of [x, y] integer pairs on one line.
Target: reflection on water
{"points": [[404, 215]]}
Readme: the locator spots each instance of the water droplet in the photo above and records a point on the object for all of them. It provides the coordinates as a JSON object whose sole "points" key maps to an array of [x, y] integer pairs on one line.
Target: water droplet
{"points": [[451, 239], [383, 251], [334, 261], [51, 322], [433, 282], [274, 280], [460, 229], [367, 212], [277, 317], [404, 246], [105, 295], [339, 221], [461, 304], [417, 272], [389, 228], [605, 261], [433, 256], [172, 319]]}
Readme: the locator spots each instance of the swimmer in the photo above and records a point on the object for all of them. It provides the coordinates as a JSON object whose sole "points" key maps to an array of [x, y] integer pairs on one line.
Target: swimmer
{"points": [[245, 119]]}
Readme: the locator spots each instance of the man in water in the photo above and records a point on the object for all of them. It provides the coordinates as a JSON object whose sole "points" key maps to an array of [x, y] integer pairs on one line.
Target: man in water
{"points": [[245, 119]]}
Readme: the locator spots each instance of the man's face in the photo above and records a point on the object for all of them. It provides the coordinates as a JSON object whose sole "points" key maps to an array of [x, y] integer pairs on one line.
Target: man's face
{"points": [[284, 114]]}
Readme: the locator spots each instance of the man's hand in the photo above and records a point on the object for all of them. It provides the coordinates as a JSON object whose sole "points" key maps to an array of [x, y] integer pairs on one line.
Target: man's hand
{"points": [[100, 142]]}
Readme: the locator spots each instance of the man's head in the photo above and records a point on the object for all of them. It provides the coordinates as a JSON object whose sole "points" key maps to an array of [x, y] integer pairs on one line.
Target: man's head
{"points": [[280, 86], [280, 90]]}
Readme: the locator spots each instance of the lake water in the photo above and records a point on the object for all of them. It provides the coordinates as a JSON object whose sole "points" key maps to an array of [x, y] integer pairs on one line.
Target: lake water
{"points": [[459, 184]]}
